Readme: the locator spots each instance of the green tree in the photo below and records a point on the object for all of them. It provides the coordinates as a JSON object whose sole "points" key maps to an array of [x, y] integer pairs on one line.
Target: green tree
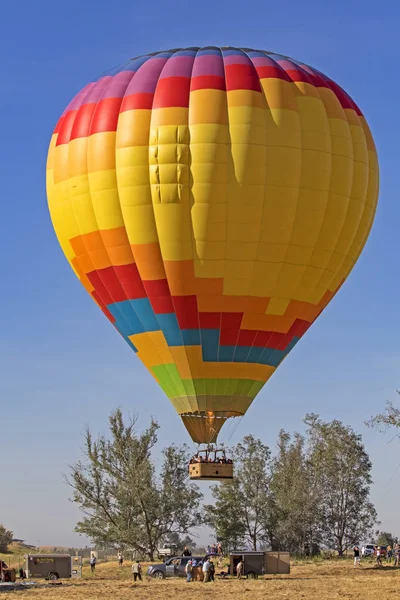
{"points": [[386, 539], [241, 505], [6, 538], [295, 518], [125, 503], [343, 468], [389, 418]]}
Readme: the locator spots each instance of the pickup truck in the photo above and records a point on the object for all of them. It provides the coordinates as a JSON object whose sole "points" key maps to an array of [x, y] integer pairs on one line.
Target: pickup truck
{"points": [[167, 550], [173, 567]]}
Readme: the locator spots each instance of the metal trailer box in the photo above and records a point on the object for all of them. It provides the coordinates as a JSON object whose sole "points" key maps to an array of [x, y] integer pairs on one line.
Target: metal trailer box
{"points": [[48, 566], [253, 563], [260, 563], [277, 563]]}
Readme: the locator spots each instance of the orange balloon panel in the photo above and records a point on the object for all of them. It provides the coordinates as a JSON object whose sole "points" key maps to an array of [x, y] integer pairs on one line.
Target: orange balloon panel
{"points": [[212, 201]]}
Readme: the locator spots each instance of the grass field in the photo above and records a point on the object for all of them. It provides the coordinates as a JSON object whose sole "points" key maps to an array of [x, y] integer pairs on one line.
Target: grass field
{"points": [[329, 580]]}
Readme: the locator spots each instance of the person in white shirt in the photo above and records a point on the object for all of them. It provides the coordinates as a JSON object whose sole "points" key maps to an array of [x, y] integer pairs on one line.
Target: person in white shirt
{"points": [[206, 570], [188, 570], [137, 571]]}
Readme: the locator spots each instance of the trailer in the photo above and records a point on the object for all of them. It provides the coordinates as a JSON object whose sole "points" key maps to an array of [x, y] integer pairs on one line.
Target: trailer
{"points": [[260, 563], [52, 566]]}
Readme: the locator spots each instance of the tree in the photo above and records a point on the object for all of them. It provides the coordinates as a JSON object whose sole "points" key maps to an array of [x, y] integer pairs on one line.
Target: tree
{"points": [[6, 538], [389, 418], [241, 505], [386, 539], [126, 504], [343, 467], [295, 520]]}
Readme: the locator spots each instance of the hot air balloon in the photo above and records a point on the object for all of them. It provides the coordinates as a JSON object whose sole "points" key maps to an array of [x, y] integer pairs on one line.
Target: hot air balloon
{"points": [[212, 201]]}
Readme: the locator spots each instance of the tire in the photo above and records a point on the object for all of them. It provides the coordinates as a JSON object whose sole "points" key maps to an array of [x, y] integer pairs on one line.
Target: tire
{"points": [[252, 575], [53, 576], [158, 575]]}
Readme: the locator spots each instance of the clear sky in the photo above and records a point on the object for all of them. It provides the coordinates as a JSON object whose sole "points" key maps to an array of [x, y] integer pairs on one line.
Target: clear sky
{"points": [[61, 363]]}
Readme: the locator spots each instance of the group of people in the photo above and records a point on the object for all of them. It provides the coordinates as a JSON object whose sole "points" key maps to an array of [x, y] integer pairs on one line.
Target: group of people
{"points": [[207, 568], [220, 460], [388, 552], [215, 549]]}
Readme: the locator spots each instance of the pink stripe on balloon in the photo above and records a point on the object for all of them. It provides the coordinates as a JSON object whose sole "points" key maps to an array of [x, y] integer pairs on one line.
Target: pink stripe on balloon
{"points": [[237, 60], [178, 66], [77, 101], [97, 91], [260, 61], [208, 64], [146, 77], [118, 85]]}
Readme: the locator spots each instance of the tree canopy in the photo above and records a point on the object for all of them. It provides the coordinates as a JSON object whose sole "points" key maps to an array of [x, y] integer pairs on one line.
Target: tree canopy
{"points": [[125, 502], [6, 537], [313, 493]]}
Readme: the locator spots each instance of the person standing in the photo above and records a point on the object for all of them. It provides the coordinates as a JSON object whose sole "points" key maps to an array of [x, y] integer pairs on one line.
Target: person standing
{"points": [[186, 552], [239, 569], [120, 559], [206, 570], [379, 556], [363, 552], [188, 570], [137, 571], [396, 552], [211, 572], [356, 556], [389, 554], [93, 561]]}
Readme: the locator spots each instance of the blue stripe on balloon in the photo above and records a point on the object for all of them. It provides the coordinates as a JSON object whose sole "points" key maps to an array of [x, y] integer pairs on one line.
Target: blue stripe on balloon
{"points": [[133, 65], [225, 353], [232, 52], [256, 53], [254, 354], [170, 328], [145, 313], [126, 319], [212, 51], [134, 316], [185, 53], [209, 344], [191, 337]]}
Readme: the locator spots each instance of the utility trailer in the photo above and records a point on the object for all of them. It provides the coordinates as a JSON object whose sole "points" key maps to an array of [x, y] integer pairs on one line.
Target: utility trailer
{"points": [[260, 563], [52, 566]]}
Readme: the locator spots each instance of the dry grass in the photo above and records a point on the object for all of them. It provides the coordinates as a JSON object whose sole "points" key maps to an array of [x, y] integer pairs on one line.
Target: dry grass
{"points": [[330, 580]]}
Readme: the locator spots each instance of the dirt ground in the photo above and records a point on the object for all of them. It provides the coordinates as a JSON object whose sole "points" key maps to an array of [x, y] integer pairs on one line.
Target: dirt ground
{"points": [[330, 580]]}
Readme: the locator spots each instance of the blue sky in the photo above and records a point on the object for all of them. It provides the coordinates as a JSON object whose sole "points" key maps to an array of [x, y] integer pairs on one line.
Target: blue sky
{"points": [[61, 363]]}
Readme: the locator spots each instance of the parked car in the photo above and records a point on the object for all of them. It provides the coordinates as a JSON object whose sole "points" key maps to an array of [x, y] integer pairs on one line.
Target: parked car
{"points": [[383, 551], [369, 549], [172, 567]]}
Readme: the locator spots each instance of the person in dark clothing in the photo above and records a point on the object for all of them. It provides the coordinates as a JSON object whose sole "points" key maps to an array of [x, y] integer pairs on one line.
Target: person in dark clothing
{"points": [[211, 571], [356, 552], [186, 552]]}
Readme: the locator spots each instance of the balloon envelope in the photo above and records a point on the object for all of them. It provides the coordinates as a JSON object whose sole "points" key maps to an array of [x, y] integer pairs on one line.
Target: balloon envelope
{"points": [[212, 201]]}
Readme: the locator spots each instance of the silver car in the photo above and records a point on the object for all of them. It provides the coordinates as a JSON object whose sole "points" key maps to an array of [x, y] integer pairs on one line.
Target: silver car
{"points": [[173, 567]]}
